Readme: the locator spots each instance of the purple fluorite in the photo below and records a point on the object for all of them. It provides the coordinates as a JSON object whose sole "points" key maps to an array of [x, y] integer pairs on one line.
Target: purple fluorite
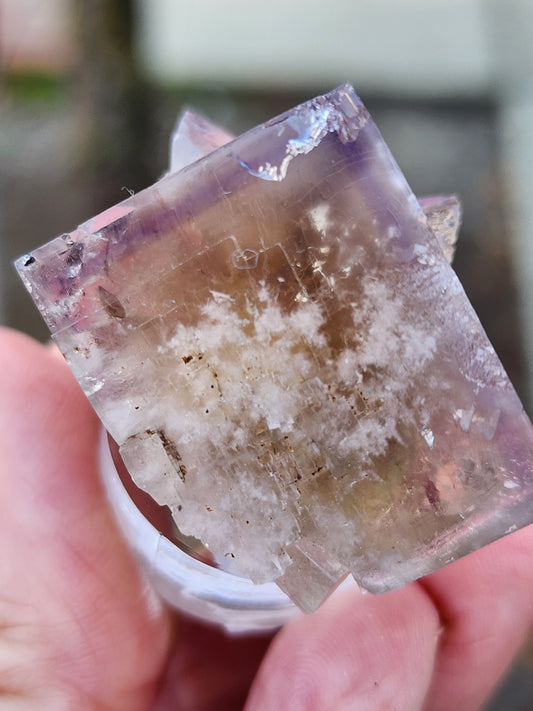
{"points": [[276, 339]]}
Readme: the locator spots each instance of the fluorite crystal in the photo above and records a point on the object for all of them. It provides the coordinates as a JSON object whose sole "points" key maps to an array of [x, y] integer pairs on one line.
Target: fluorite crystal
{"points": [[274, 336]]}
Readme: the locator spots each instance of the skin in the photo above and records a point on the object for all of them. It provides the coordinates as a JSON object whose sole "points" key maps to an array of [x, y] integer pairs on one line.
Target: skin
{"points": [[81, 629]]}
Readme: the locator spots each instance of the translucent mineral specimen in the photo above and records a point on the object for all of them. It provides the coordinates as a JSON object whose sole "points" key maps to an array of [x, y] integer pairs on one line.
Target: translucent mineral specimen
{"points": [[276, 339]]}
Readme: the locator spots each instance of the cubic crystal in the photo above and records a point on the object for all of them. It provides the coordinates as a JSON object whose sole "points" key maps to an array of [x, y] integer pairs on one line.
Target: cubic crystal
{"points": [[274, 336]]}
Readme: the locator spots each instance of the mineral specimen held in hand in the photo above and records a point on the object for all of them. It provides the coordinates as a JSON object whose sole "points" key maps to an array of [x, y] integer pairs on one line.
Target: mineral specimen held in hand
{"points": [[276, 339]]}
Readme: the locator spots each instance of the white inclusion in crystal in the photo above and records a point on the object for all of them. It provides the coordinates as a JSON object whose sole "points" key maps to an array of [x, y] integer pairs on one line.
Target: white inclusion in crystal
{"points": [[464, 418], [370, 438], [391, 338], [223, 340], [510, 484], [320, 217], [347, 367], [306, 323], [428, 435], [220, 297], [267, 171], [269, 324], [424, 256]]}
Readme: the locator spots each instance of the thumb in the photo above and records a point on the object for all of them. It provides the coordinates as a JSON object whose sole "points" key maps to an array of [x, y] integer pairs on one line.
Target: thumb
{"points": [[357, 652], [79, 627]]}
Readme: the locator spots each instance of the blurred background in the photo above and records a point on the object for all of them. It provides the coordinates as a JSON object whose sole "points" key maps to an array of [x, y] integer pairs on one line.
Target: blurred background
{"points": [[90, 90]]}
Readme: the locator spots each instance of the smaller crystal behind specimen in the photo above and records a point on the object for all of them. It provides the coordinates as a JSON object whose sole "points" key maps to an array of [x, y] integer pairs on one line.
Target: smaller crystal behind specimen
{"points": [[276, 339]]}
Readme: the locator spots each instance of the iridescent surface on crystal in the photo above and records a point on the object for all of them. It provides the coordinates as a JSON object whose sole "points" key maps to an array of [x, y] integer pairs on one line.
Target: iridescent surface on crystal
{"points": [[276, 339]]}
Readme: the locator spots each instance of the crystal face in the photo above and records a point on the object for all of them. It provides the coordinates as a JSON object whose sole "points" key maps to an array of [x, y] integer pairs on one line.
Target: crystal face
{"points": [[275, 338]]}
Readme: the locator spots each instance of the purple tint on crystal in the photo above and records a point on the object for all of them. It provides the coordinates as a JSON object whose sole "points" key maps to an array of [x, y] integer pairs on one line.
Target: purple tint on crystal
{"points": [[194, 138]]}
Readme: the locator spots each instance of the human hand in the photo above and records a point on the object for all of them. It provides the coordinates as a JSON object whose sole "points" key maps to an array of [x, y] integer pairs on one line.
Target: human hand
{"points": [[81, 629]]}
